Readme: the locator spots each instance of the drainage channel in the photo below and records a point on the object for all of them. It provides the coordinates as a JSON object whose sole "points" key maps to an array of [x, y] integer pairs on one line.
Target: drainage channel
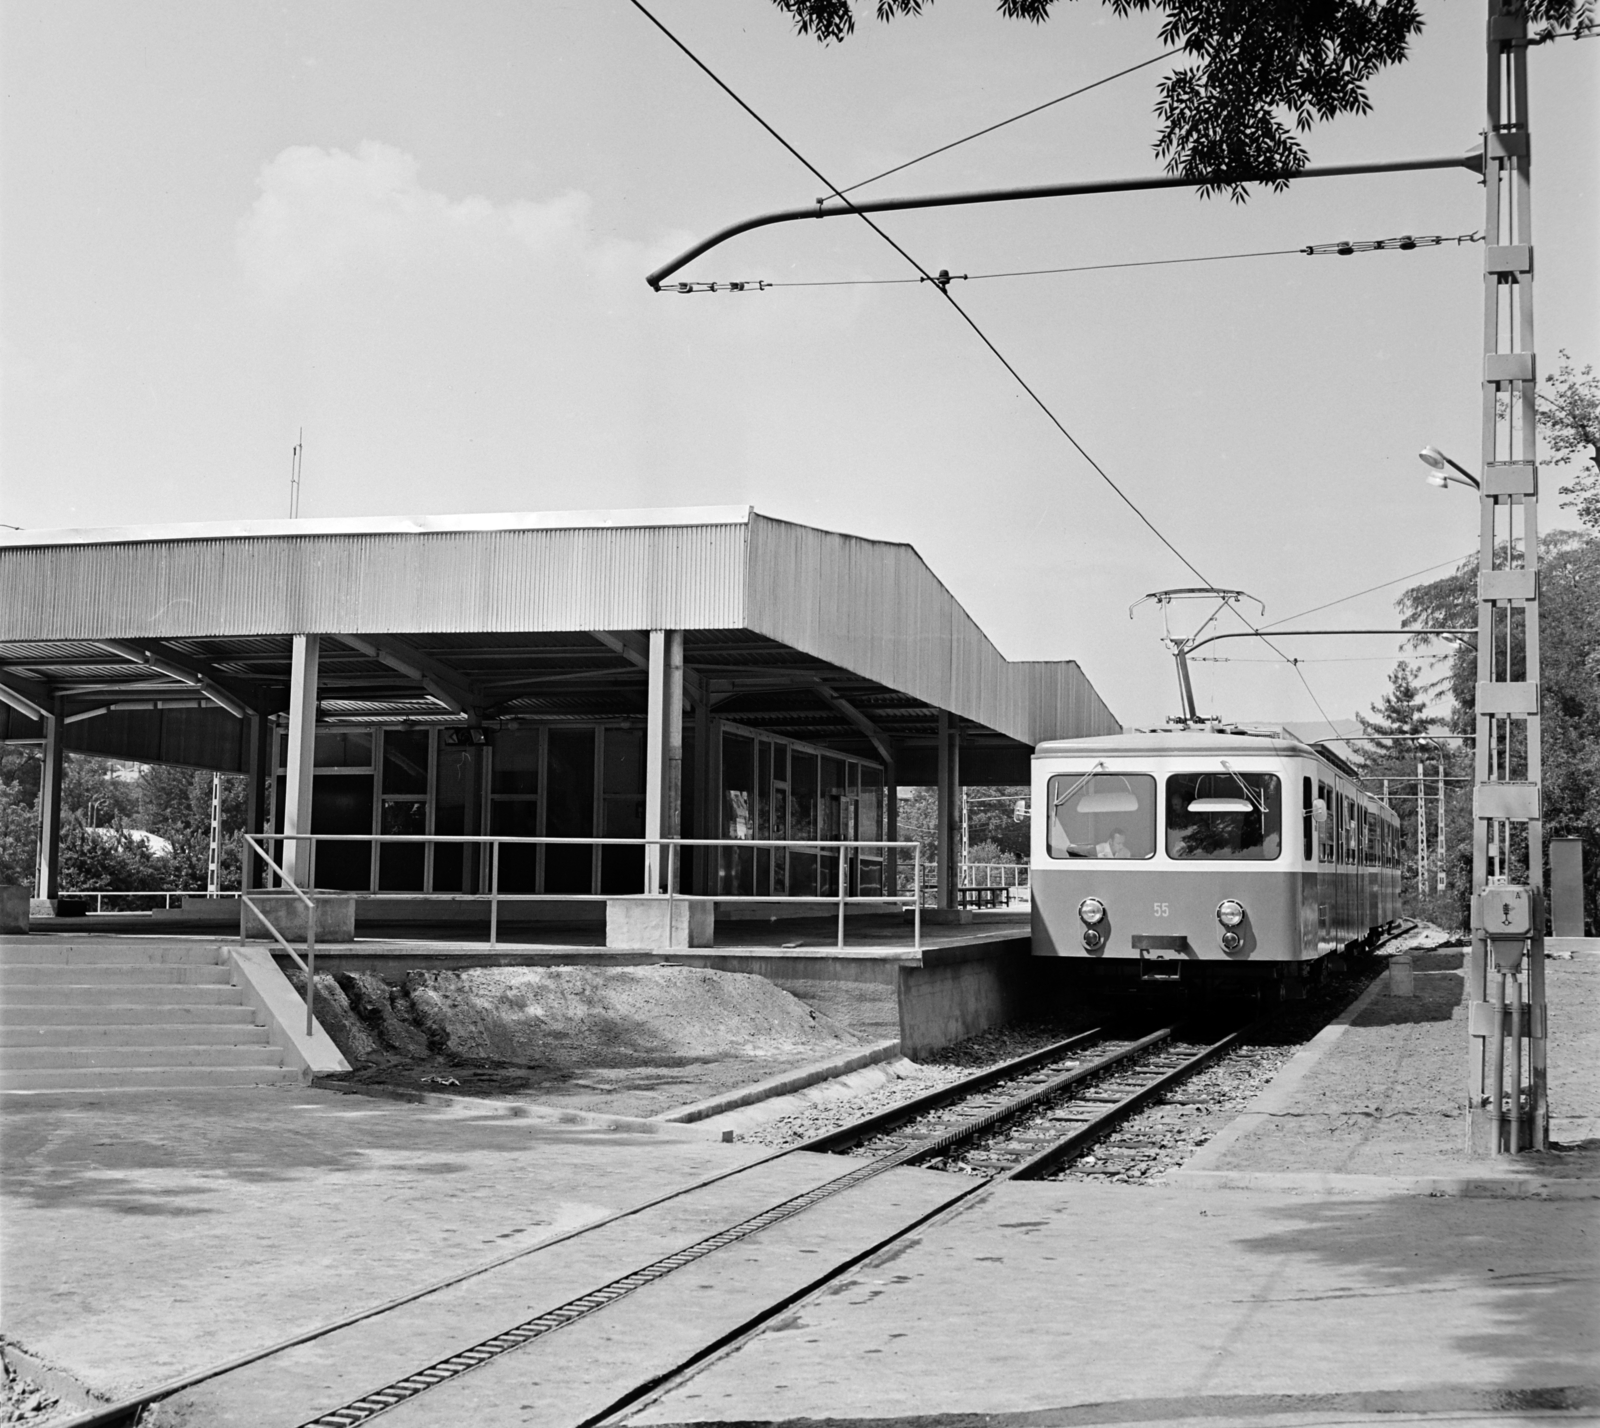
{"points": [[1029, 1081]]}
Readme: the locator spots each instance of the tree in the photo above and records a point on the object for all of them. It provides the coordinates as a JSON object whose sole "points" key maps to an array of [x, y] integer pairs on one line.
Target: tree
{"points": [[19, 814], [1260, 65], [1569, 423], [1569, 650]]}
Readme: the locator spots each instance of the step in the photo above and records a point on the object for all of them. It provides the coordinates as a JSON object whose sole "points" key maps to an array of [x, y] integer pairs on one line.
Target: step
{"points": [[111, 954], [149, 1078], [175, 994], [148, 1033], [69, 1058], [59, 1013], [110, 974]]}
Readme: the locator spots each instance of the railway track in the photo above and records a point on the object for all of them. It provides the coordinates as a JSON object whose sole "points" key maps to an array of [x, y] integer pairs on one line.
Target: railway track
{"points": [[1012, 1121]]}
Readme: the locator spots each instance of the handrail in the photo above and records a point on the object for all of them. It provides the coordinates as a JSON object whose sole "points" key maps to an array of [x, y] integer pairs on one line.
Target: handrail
{"points": [[309, 965], [495, 896]]}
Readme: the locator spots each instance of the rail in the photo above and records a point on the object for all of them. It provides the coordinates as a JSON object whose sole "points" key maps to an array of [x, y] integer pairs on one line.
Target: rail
{"points": [[655, 875], [308, 964], [165, 894]]}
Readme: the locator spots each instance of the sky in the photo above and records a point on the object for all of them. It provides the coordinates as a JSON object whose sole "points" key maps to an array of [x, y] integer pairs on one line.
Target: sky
{"points": [[418, 231]]}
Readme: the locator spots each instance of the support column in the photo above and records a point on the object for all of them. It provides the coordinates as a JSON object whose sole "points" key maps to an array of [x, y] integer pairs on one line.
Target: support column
{"points": [[297, 858], [655, 755], [891, 830], [258, 771], [949, 816], [47, 882], [672, 749], [705, 796]]}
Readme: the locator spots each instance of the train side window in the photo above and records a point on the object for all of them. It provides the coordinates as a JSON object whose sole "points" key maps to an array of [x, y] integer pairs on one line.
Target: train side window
{"points": [[1102, 816], [1308, 804], [1325, 840]]}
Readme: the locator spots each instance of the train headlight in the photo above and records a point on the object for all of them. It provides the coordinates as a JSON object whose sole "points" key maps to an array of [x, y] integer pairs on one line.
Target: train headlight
{"points": [[1091, 940], [1231, 942], [1091, 911], [1230, 912]]}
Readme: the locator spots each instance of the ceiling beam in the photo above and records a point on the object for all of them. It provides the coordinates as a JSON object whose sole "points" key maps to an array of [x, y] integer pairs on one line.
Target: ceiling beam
{"points": [[876, 736], [445, 684], [186, 671], [26, 696], [635, 648]]}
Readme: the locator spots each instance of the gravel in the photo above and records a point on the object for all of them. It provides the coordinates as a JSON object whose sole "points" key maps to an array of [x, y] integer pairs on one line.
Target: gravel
{"points": [[916, 1078]]}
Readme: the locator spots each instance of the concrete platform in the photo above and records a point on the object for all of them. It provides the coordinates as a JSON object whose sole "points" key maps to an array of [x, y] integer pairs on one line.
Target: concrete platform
{"points": [[1066, 1304]]}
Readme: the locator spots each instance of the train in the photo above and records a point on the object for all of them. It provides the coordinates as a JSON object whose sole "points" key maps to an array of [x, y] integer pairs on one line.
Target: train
{"points": [[1216, 858]]}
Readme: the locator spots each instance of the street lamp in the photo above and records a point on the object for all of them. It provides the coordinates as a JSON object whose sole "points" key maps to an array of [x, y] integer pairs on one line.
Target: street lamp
{"points": [[1442, 466]]}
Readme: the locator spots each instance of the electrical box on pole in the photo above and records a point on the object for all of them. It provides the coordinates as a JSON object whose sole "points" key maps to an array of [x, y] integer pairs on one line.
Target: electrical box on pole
{"points": [[1507, 1110]]}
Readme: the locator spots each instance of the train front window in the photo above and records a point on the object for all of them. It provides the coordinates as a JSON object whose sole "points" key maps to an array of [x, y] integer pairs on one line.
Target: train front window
{"points": [[1226, 814], [1101, 815]]}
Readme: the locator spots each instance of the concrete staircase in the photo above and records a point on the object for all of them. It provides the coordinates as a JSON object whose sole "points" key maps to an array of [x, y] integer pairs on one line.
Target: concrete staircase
{"points": [[114, 1014]]}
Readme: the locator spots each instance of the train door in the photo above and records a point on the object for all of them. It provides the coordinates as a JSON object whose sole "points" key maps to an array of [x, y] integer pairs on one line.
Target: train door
{"points": [[1327, 882]]}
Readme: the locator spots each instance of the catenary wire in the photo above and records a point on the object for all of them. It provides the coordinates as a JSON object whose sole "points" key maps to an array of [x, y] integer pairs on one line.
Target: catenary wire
{"points": [[944, 292], [943, 289], [1426, 570], [1037, 108], [1431, 240]]}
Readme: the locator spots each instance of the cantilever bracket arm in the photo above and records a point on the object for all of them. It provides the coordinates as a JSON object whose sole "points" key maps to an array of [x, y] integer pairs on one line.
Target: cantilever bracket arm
{"points": [[1285, 634], [1472, 160]]}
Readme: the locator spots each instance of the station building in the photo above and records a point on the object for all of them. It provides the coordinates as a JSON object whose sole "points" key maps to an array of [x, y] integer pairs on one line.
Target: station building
{"points": [[707, 672]]}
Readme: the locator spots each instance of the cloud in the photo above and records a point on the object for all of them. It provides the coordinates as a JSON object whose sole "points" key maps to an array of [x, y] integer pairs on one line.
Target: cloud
{"points": [[327, 214]]}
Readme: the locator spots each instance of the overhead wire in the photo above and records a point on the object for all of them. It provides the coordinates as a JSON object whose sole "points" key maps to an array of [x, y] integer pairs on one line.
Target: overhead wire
{"points": [[1037, 108], [943, 289], [944, 292], [1371, 589], [1316, 249]]}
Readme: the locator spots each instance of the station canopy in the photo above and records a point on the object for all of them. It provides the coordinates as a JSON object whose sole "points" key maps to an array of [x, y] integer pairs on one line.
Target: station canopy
{"points": [[156, 643]]}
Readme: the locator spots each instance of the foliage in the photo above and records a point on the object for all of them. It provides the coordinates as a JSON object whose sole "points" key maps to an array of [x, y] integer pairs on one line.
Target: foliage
{"points": [[1259, 68], [1569, 424], [1390, 768], [1569, 649], [19, 833], [104, 802]]}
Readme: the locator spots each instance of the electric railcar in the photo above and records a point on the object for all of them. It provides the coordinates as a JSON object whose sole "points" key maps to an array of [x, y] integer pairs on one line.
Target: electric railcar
{"points": [[1206, 856]]}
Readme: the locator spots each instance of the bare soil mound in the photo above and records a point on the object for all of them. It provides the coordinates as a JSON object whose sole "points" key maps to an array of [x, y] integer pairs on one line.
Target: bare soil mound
{"points": [[511, 1030]]}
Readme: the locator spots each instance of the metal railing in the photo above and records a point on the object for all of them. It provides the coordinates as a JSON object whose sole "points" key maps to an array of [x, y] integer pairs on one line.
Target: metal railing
{"points": [[995, 875], [165, 894], [653, 872], [308, 964]]}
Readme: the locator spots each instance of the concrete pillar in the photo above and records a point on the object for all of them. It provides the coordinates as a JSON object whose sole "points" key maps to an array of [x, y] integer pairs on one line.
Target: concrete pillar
{"points": [[654, 756], [47, 882], [297, 859], [258, 773], [891, 829], [702, 816], [672, 747], [945, 818]]}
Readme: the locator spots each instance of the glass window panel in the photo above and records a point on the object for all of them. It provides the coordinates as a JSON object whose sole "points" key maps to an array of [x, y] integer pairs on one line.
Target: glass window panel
{"points": [[1102, 816], [738, 778], [624, 761], [516, 761], [1224, 815], [405, 761], [519, 862], [343, 749], [569, 810], [401, 865], [455, 812], [802, 795], [342, 803], [763, 789], [871, 803]]}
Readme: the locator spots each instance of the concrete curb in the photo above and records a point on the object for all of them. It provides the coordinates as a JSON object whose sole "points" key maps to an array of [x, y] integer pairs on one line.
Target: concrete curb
{"points": [[283, 1011], [797, 1080], [1275, 1099], [528, 1111], [1470, 1187]]}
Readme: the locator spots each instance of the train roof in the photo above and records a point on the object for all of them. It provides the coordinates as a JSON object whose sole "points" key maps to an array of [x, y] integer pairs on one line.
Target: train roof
{"points": [[1225, 740]]}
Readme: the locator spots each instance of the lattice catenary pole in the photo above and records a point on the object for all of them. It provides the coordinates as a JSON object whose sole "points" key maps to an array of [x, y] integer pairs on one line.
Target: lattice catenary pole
{"points": [[1506, 969]]}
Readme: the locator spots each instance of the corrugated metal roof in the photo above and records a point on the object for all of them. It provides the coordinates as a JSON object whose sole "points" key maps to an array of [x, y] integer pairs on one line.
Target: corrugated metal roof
{"points": [[749, 590]]}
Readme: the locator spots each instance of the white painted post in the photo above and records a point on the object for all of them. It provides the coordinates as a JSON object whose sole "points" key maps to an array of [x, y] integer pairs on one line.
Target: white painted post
{"points": [[297, 859], [48, 873]]}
